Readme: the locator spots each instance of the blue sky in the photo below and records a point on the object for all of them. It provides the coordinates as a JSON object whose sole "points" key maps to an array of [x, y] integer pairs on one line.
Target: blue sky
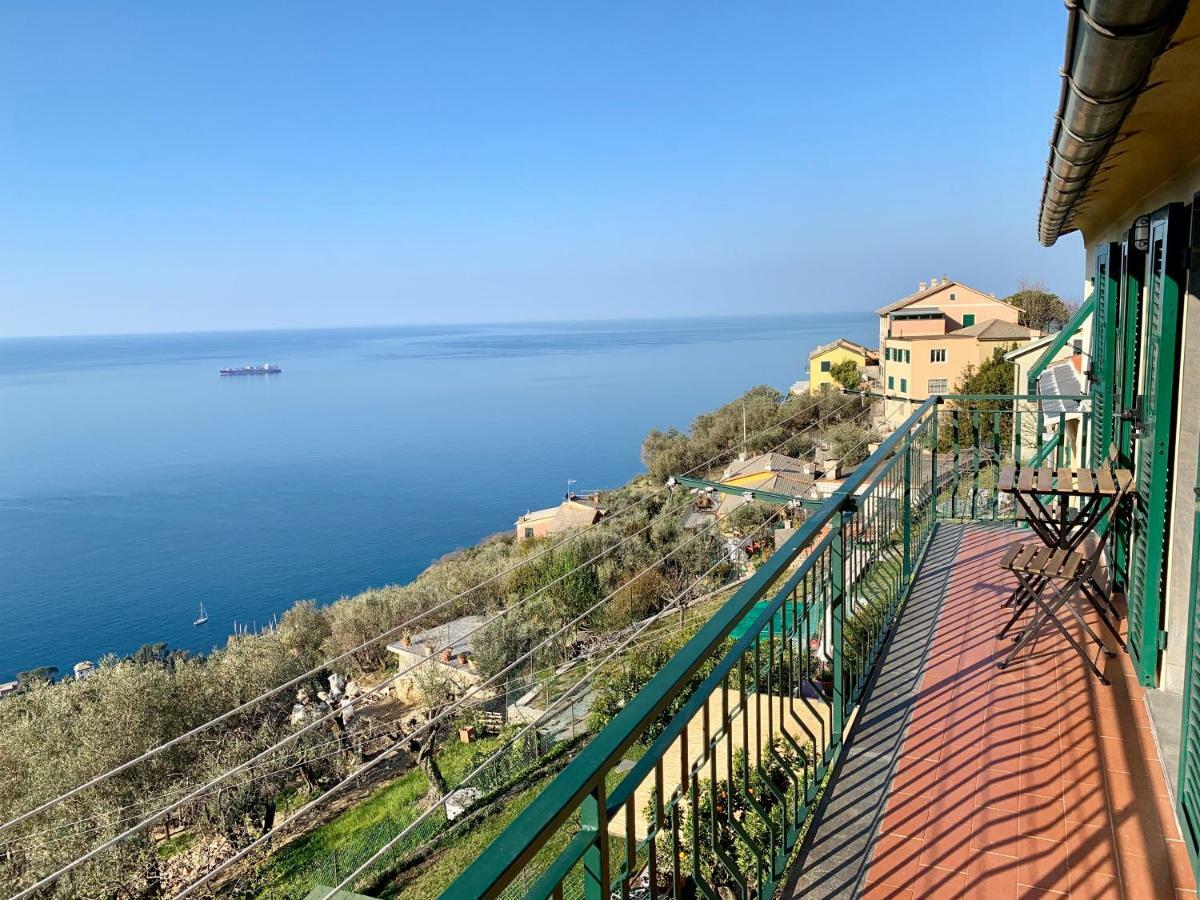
{"points": [[172, 167]]}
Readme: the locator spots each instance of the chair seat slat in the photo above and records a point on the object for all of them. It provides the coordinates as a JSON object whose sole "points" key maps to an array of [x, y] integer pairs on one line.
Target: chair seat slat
{"points": [[1087, 485], [1007, 476], [1045, 480], [1066, 481]]}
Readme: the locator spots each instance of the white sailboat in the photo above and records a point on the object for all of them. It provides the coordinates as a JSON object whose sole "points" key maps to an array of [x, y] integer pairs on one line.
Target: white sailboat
{"points": [[203, 616]]}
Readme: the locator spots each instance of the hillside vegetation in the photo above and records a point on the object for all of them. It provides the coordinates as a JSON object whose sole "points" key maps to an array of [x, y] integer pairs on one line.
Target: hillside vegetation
{"points": [[562, 593]]}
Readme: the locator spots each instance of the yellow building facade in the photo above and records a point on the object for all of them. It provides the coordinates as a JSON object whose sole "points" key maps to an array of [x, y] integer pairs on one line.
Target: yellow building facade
{"points": [[822, 360]]}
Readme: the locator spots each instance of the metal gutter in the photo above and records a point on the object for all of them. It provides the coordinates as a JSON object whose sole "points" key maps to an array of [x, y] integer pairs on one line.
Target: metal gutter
{"points": [[1111, 47]]}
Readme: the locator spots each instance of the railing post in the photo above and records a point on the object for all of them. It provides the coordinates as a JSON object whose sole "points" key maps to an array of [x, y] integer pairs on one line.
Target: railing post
{"points": [[837, 619], [934, 461], [596, 881], [906, 507]]}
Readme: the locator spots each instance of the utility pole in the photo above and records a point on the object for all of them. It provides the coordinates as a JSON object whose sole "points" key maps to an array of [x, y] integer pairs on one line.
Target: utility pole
{"points": [[743, 423]]}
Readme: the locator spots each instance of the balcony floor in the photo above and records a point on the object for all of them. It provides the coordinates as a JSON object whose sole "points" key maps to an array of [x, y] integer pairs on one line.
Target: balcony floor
{"points": [[960, 780]]}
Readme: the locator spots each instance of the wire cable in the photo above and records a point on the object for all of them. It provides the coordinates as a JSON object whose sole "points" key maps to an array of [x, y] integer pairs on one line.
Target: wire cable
{"points": [[244, 766], [242, 854], [325, 665]]}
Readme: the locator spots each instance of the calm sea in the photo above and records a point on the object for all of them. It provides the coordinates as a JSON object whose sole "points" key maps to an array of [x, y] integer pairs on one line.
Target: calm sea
{"points": [[135, 483]]}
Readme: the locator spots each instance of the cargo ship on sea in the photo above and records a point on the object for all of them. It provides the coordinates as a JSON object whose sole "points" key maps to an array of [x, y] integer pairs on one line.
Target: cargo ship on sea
{"points": [[264, 369]]}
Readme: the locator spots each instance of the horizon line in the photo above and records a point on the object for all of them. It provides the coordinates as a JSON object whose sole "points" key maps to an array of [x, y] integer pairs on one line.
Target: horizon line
{"points": [[380, 325]]}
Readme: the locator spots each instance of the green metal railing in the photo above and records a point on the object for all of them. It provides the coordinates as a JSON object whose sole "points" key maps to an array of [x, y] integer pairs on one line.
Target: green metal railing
{"points": [[720, 797]]}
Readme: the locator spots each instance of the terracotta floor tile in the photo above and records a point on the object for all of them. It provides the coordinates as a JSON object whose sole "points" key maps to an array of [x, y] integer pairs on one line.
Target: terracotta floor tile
{"points": [[991, 876], [949, 845], [933, 883], [1141, 880], [1042, 817], [998, 789], [1137, 831], [1042, 776], [1086, 769], [1091, 849], [1044, 864], [877, 890], [956, 775], [905, 815], [915, 775], [1085, 804], [1180, 865], [1095, 886], [995, 831], [895, 860], [1122, 756], [1041, 745]]}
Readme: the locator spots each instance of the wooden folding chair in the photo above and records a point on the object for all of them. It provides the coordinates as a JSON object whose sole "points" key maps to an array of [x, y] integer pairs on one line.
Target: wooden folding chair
{"points": [[1050, 580]]}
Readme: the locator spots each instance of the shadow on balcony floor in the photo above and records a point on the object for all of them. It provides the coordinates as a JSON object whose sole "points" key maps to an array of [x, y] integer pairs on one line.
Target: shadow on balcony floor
{"points": [[960, 780]]}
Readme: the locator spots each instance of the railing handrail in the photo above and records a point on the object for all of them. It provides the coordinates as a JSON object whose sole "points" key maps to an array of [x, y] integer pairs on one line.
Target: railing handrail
{"points": [[679, 722], [518, 843], [1061, 337], [581, 787]]}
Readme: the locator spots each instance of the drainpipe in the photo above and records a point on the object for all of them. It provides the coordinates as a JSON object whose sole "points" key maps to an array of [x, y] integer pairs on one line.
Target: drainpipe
{"points": [[1111, 47]]}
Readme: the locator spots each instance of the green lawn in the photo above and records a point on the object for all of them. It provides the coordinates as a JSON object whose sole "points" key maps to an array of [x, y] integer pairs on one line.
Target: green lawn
{"points": [[357, 833], [290, 873]]}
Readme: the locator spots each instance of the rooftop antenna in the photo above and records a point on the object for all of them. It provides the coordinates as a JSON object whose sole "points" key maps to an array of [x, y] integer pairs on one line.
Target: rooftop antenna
{"points": [[743, 423]]}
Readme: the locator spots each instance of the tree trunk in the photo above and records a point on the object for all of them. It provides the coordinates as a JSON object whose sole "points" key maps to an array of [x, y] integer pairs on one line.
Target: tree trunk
{"points": [[428, 763]]}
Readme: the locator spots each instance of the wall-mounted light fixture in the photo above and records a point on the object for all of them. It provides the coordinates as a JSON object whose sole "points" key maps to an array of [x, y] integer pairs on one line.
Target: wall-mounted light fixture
{"points": [[1141, 233]]}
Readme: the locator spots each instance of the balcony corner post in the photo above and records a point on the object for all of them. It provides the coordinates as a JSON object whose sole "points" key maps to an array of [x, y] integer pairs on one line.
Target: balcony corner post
{"points": [[933, 463], [837, 618], [906, 505], [597, 883]]}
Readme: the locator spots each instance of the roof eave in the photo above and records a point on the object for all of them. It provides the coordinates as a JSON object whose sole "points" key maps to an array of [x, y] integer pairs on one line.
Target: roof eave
{"points": [[1110, 50]]}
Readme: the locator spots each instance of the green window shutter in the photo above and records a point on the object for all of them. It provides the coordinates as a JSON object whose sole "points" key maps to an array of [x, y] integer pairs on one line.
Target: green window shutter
{"points": [[904, 385], [1125, 387], [826, 365], [891, 382], [1151, 503], [1104, 327], [968, 319]]}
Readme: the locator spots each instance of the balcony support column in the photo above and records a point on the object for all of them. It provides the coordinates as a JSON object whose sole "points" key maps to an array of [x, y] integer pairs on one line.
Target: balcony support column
{"points": [[906, 506], [597, 884], [837, 621]]}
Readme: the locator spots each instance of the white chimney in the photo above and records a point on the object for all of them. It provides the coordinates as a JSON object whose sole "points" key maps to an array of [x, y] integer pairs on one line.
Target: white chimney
{"points": [[921, 286], [945, 280]]}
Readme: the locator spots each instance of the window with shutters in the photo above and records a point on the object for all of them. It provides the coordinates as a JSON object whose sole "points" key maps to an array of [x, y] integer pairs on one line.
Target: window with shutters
{"points": [[891, 383], [968, 319], [826, 365], [937, 356], [904, 385]]}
